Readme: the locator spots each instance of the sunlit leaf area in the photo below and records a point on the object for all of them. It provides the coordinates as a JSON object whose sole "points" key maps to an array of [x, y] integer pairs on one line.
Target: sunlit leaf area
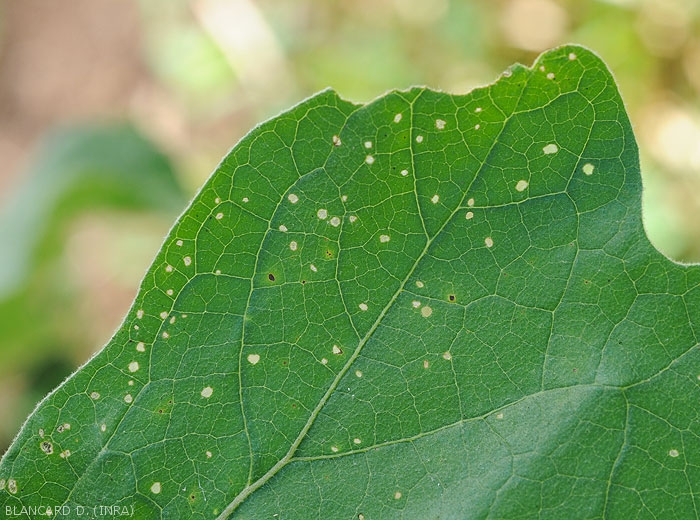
{"points": [[114, 113]]}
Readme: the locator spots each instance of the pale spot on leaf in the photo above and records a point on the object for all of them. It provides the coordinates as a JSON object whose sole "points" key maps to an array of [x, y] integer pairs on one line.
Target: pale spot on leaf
{"points": [[572, 56], [208, 454], [128, 399], [336, 142], [283, 228], [368, 144], [435, 199], [335, 221], [293, 245], [336, 350], [245, 199], [522, 185], [133, 366], [352, 218], [397, 495], [397, 118], [141, 346], [322, 214], [550, 75], [415, 304], [207, 392], [165, 335], [440, 124], [419, 138], [363, 306], [488, 241], [358, 373], [673, 453], [404, 173], [470, 202], [219, 216], [357, 441], [187, 260], [156, 488], [163, 315], [426, 364], [139, 313], [293, 198], [334, 449], [95, 396], [169, 268], [550, 149], [469, 215], [588, 169], [384, 238], [103, 427], [12, 486], [477, 126], [179, 243], [369, 159], [477, 109], [253, 359], [324, 361], [313, 268], [447, 356], [169, 292], [420, 284], [426, 311]]}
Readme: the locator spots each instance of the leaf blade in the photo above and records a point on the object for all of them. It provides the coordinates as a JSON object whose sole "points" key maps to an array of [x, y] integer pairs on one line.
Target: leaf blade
{"points": [[431, 310]]}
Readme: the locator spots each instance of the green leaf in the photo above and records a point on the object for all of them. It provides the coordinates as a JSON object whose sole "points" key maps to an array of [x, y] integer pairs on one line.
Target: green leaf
{"points": [[430, 306]]}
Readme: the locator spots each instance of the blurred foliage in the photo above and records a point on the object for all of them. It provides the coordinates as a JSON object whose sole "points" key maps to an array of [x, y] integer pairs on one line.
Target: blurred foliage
{"points": [[195, 75]]}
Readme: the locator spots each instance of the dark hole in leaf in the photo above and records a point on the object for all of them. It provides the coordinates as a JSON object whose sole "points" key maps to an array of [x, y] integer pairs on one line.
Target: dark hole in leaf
{"points": [[271, 277]]}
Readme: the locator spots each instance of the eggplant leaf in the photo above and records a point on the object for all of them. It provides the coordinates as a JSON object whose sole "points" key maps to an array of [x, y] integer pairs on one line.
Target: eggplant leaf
{"points": [[429, 306]]}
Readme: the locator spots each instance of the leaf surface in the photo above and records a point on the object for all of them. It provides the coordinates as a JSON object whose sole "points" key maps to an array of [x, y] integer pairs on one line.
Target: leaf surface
{"points": [[429, 306]]}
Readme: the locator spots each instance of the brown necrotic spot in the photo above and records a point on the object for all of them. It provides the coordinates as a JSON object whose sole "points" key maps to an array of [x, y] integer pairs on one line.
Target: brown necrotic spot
{"points": [[46, 447]]}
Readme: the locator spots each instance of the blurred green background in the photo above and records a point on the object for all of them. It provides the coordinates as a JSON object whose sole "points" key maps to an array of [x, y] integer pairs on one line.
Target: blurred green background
{"points": [[113, 113]]}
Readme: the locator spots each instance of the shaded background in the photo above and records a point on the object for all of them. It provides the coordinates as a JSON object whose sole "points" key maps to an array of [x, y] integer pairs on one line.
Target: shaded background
{"points": [[114, 112]]}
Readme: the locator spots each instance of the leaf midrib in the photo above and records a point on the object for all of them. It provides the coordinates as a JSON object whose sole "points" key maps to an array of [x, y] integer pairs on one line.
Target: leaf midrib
{"points": [[248, 490]]}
